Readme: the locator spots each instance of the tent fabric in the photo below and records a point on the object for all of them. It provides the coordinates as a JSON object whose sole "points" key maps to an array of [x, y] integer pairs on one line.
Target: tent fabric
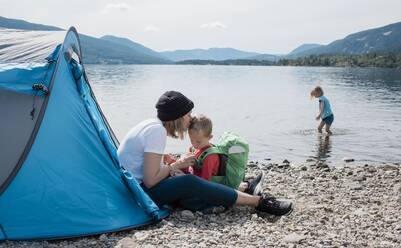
{"points": [[23, 78], [16, 130], [16, 112], [70, 183], [108, 141], [24, 45]]}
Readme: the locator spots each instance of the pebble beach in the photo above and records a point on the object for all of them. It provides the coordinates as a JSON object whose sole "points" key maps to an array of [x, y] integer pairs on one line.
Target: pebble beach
{"points": [[347, 206]]}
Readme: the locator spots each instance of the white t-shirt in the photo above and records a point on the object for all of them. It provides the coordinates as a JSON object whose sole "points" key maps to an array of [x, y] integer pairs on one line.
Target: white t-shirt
{"points": [[148, 136]]}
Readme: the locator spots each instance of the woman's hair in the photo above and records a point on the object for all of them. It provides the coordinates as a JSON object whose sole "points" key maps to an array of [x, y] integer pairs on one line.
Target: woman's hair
{"points": [[317, 91], [175, 128], [201, 123]]}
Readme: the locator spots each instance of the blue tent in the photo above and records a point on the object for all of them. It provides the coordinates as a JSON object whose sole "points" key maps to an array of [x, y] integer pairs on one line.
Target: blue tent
{"points": [[59, 173]]}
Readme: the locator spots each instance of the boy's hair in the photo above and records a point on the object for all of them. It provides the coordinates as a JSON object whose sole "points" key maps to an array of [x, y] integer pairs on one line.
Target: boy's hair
{"points": [[201, 123], [317, 91], [175, 128]]}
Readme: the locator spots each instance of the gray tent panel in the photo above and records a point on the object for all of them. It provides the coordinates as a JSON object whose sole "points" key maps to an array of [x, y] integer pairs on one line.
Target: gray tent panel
{"points": [[16, 125]]}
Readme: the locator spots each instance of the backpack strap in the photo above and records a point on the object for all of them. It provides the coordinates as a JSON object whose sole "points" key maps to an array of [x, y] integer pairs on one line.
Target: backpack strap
{"points": [[204, 154]]}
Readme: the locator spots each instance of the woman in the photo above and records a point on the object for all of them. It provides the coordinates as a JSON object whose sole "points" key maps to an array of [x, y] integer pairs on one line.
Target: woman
{"points": [[142, 151]]}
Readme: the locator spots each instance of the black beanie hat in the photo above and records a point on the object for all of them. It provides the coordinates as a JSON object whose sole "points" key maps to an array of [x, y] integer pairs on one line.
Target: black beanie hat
{"points": [[173, 105]]}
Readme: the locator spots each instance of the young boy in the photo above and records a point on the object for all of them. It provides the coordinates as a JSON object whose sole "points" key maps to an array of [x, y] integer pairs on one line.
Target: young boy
{"points": [[200, 134], [325, 113]]}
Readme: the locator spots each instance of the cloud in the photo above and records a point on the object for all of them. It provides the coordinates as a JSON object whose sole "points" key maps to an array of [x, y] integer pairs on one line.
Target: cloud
{"points": [[115, 6], [152, 28], [213, 25]]}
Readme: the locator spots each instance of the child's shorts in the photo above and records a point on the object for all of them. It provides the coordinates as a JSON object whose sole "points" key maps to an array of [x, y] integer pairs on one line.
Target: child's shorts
{"points": [[328, 120]]}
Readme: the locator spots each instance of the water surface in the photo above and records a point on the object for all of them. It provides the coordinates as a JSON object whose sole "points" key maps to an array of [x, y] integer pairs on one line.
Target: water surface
{"points": [[269, 106]]}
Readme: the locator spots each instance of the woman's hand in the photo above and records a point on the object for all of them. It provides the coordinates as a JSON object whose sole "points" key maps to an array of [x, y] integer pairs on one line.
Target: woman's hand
{"points": [[176, 172], [168, 159], [185, 161]]}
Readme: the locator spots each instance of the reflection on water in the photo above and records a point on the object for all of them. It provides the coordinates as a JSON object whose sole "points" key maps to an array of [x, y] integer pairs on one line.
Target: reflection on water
{"points": [[336, 132], [268, 106], [323, 147]]}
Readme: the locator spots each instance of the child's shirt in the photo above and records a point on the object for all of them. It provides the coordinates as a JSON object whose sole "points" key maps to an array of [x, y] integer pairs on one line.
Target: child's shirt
{"points": [[326, 107], [210, 166]]}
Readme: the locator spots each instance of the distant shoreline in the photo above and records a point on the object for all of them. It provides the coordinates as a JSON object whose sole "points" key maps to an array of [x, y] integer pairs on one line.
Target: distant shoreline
{"points": [[374, 60], [388, 60]]}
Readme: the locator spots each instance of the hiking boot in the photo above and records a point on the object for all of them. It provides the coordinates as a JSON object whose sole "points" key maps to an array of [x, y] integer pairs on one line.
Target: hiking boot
{"points": [[270, 205], [255, 185]]}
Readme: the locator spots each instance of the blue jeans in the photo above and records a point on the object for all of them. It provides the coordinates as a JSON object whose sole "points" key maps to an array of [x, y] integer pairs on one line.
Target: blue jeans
{"points": [[191, 192]]}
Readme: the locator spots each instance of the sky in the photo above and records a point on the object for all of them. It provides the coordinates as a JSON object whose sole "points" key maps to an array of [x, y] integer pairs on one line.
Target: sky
{"points": [[265, 26]]}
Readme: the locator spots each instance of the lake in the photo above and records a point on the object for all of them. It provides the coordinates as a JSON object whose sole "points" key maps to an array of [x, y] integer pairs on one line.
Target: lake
{"points": [[268, 105]]}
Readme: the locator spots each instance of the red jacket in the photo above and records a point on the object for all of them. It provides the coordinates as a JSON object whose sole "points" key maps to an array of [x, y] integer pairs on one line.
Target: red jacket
{"points": [[210, 166]]}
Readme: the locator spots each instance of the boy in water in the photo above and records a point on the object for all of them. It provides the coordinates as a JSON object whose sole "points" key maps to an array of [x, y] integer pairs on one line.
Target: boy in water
{"points": [[325, 112]]}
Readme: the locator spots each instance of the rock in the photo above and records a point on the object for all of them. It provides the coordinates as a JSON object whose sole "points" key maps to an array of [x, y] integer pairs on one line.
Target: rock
{"points": [[283, 165], [388, 167], [140, 236], [397, 188], [252, 165], [92, 243], [187, 215], [355, 186], [126, 243], [304, 168], [310, 160], [214, 210], [372, 170], [359, 212], [254, 217], [103, 237], [360, 178], [326, 169], [285, 161], [347, 160], [293, 238], [308, 177]]}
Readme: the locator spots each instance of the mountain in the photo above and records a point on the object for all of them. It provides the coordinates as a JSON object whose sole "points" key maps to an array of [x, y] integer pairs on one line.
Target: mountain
{"points": [[21, 24], [98, 51], [303, 48], [131, 44], [266, 57], [217, 54], [380, 40]]}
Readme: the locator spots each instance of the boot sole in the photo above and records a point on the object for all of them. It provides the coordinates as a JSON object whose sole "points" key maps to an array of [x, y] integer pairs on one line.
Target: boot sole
{"points": [[259, 186], [269, 215]]}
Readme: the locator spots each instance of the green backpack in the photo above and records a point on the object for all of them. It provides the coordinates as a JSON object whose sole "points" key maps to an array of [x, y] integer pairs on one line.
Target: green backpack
{"points": [[233, 153]]}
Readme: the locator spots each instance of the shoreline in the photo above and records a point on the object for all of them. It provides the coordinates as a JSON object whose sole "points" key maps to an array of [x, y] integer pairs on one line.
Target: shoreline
{"points": [[354, 206]]}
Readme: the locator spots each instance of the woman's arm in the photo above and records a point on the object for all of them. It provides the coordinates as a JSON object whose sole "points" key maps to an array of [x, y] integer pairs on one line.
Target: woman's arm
{"points": [[153, 172]]}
